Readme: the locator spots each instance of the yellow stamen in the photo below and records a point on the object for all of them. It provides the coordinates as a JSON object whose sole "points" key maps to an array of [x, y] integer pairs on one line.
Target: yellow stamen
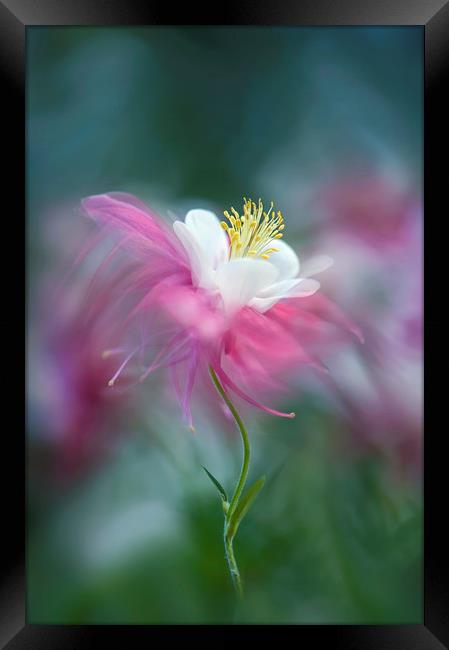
{"points": [[252, 232]]}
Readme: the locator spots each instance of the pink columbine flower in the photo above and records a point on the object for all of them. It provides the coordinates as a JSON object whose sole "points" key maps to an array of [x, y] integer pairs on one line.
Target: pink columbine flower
{"points": [[200, 293]]}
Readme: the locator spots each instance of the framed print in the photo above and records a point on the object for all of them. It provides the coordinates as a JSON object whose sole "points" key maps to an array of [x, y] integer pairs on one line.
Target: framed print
{"points": [[224, 323]]}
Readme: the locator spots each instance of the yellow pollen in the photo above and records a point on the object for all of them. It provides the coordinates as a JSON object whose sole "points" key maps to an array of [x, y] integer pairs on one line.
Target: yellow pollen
{"points": [[251, 233]]}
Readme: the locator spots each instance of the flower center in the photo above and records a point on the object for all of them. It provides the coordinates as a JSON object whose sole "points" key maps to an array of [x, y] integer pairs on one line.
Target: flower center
{"points": [[252, 233]]}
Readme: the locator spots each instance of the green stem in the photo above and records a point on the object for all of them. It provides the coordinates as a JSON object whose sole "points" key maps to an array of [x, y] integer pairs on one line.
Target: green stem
{"points": [[228, 538], [232, 564]]}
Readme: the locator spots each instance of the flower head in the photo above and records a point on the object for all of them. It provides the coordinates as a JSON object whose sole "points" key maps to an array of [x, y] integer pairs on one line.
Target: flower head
{"points": [[243, 260], [231, 295]]}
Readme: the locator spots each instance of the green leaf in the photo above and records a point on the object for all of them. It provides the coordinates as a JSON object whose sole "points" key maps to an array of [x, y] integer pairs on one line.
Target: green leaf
{"points": [[244, 505], [217, 484]]}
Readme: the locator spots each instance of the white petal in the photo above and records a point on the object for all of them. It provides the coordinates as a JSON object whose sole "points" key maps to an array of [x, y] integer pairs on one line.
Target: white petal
{"points": [[316, 264], [296, 288], [306, 287], [285, 259], [242, 279], [263, 304], [280, 288], [209, 235], [202, 270]]}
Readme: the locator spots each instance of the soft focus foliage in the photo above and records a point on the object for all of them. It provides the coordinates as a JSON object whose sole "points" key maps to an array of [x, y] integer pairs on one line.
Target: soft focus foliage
{"points": [[124, 526]]}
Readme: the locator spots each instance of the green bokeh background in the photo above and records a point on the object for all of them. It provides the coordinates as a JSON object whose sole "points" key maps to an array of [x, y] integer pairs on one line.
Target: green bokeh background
{"points": [[178, 116]]}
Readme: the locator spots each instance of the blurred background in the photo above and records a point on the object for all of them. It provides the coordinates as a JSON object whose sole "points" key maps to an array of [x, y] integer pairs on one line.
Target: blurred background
{"points": [[123, 525]]}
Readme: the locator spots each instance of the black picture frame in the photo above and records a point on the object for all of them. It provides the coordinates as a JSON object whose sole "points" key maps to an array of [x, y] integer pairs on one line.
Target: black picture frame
{"points": [[433, 16]]}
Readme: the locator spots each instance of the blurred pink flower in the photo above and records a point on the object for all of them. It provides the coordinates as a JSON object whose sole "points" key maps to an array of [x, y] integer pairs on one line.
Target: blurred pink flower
{"points": [[373, 224], [73, 414], [369, 207], [76, 413], [201, 293]]}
